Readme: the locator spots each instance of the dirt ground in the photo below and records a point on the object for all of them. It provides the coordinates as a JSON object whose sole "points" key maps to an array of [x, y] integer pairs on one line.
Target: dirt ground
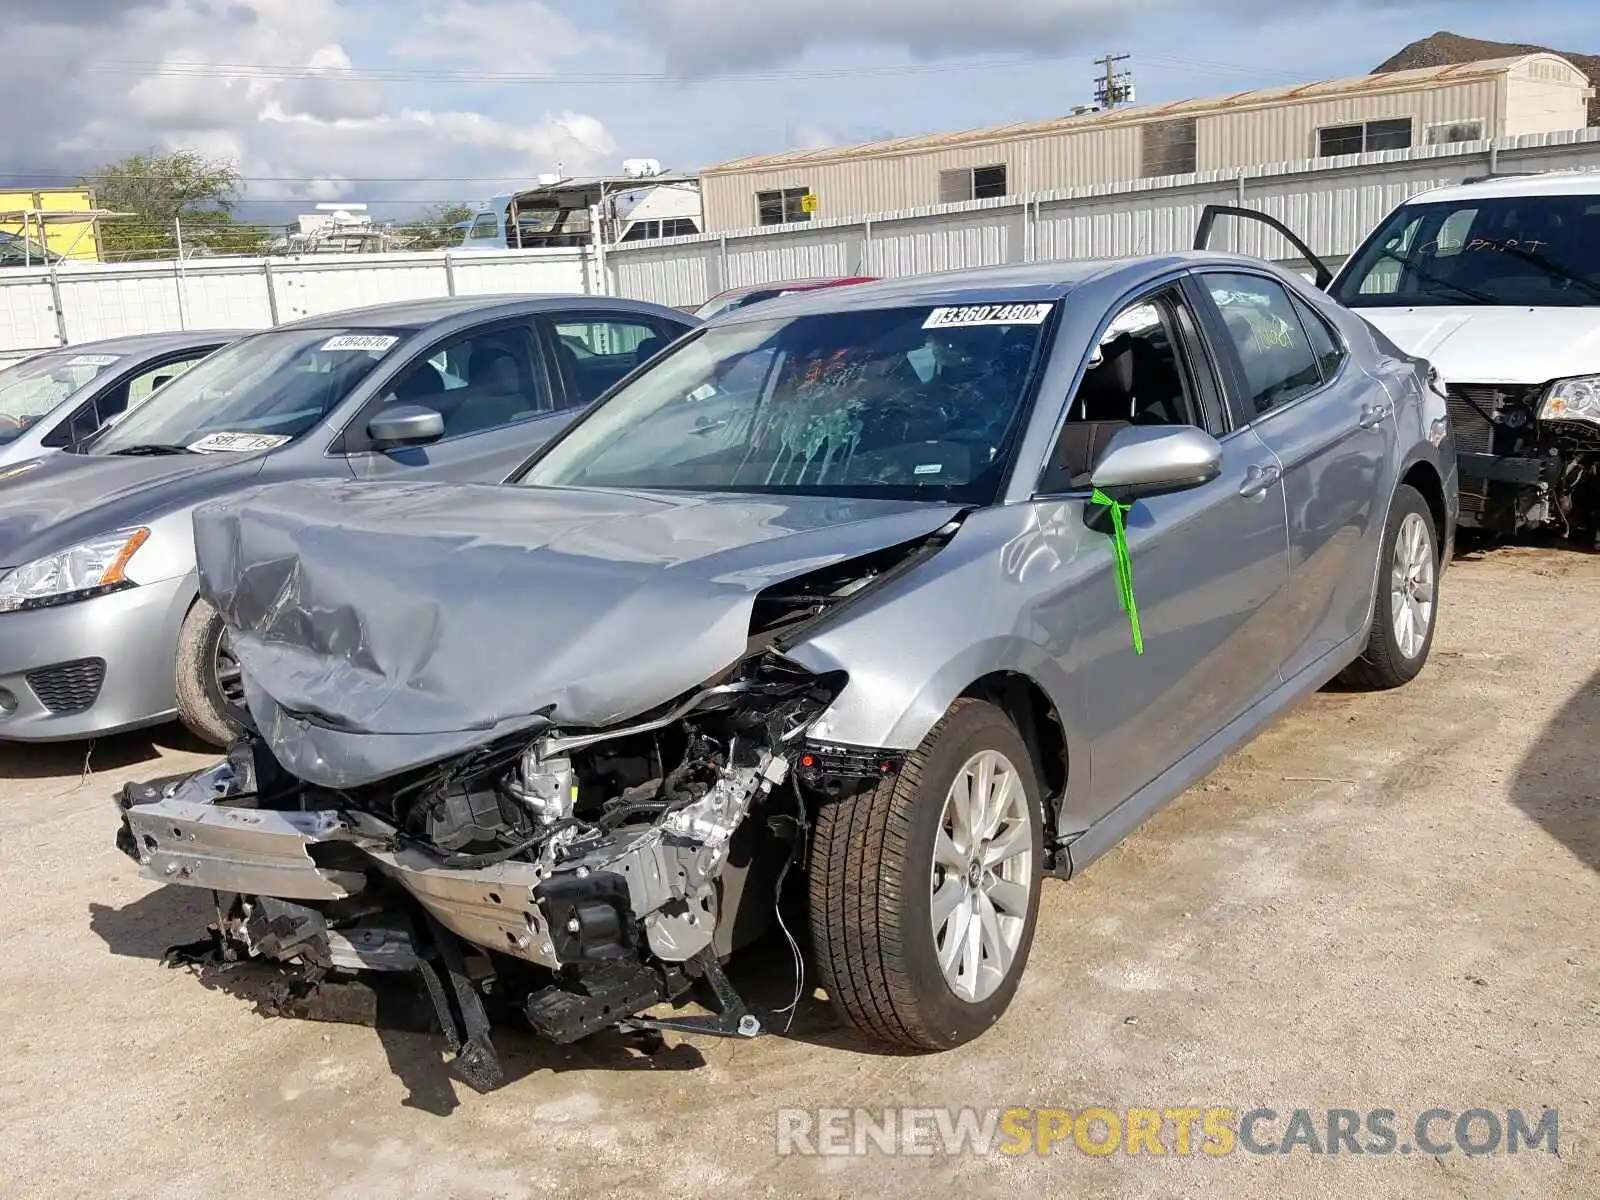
{"points": [[1387, 901]]}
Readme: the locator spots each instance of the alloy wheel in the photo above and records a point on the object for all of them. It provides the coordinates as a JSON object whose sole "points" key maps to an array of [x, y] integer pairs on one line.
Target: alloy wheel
{"points": [[1411, 585], [982, 876]]}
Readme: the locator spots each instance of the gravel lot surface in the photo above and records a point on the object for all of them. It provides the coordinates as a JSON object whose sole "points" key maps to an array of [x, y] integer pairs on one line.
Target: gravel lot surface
{"points": [[1387, 901]]}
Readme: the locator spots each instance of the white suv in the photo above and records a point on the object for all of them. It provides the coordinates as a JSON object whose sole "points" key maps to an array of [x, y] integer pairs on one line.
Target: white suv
{"points": [[1496, 282]]}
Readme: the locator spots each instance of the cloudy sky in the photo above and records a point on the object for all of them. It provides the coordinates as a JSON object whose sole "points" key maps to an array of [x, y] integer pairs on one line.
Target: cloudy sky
{"points": [[411, 101]]}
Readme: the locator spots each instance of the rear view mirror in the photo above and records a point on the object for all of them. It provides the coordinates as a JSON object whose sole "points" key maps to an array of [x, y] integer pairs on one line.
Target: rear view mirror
{"points": [[1152, 460], [405, 425]]}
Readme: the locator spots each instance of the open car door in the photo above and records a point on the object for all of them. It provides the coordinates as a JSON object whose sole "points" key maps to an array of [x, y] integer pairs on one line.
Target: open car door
{"points": [[1208, 220]]}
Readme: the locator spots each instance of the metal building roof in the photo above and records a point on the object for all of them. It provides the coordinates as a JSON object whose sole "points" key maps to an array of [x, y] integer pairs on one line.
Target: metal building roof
{"points": [[1394, 81]]}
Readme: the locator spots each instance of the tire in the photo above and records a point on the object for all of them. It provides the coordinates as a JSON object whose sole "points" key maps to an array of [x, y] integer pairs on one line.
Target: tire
{"points": [[872, 878], [1393, 655], [202, 703]]}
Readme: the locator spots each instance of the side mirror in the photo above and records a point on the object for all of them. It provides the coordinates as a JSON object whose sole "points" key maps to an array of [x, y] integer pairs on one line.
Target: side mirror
{"points": [[159, 382], [405, 425], [1152, 460]]}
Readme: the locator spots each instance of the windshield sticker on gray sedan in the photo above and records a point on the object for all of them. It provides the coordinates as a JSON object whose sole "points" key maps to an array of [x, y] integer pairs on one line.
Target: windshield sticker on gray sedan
{"points": [[378, 342], [92, 360], [237, 443], [987, 314]]}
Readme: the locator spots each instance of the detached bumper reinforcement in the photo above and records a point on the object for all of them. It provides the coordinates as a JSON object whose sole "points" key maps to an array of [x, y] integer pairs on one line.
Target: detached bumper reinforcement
{"points": [[1501, 469]]}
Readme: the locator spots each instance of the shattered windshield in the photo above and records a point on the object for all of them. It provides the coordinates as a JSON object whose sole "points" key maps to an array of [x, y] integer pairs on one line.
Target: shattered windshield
{"points": [[253, 395], [31, 389], [1511, 250], [893, 403]]}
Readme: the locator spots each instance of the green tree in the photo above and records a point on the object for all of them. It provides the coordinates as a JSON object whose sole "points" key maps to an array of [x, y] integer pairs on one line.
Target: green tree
{"points": [[435, 229], [158, 188]]}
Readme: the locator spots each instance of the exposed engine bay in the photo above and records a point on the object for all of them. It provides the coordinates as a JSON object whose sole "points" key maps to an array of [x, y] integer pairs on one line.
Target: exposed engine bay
{"points": [[1520, 472], [581, 876], [592, 874]]}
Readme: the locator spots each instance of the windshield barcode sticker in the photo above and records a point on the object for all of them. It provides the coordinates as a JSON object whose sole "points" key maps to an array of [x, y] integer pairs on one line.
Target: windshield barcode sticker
{"points": [[987, 314], [237, 443], [92, 360], [361, 341]]}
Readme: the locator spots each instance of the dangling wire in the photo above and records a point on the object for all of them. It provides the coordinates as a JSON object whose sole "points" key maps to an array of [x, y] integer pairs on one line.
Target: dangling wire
{"points": [[794, 946]]}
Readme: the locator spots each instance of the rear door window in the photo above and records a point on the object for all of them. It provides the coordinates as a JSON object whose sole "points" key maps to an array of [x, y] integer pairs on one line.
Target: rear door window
{"points": [[594, 350], [1279, 364]]}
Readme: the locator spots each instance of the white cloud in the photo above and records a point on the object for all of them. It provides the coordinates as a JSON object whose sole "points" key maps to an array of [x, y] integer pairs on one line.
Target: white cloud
{"points": [[707, 38], [316, 136], [502, 35]]}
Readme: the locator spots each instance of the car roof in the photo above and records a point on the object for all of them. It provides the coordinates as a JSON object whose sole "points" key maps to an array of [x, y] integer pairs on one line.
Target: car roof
{"points": [[155, 343], [1546, 183], [976, 285], [794, 285], [417, 314]]}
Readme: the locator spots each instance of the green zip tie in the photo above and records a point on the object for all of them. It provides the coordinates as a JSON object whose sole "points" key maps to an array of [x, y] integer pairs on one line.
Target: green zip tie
{"points": [[1119, 544]]}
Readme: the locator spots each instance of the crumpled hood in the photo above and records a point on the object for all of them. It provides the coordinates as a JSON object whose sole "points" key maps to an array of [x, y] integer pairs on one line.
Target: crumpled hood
{"points": [[382, 626], [1496, 344], [59, 499]]}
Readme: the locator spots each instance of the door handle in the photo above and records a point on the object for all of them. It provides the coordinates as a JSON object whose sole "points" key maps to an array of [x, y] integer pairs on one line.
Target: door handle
{"points": [[1258, 479], [1373, 415]]}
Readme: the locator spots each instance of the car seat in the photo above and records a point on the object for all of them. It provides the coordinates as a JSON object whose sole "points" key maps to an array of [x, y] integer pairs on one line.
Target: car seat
{"points": [[421, 382], [494, 394], [648, 349]]}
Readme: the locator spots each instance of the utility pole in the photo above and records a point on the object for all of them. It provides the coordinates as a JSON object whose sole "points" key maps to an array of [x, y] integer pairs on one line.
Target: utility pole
{"points": [[1114, 87]]}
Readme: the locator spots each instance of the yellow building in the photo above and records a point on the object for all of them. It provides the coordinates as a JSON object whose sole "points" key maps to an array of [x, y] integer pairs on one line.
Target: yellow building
{"points": [[68, 238]]}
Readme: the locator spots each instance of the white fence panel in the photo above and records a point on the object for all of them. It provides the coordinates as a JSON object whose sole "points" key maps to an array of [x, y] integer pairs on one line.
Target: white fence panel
{"points": [[27, 314], [483, 273], [234, 298], [683, 276], [948, 242], [309, 288], [100, 306], [801, 255], [1117, 224]]}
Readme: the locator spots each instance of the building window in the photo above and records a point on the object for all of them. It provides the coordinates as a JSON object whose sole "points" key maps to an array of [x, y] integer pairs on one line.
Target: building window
{"points": [[679, 227], [1167, 148], [1453, 131], [1335, 140], [972, 183], [783, 207], [641, 230]]}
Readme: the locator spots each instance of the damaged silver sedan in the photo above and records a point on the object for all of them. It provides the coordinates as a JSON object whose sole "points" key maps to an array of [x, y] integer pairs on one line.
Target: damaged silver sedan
{"points": [[878, 605]]}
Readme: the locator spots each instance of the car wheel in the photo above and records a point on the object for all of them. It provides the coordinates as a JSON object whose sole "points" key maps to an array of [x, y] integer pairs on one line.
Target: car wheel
{"points": [[925, 890], [208, 676], [1407, 604]]}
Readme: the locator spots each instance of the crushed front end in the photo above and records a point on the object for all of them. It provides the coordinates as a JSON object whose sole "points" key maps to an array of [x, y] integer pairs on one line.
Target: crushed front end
{"points": [[1529, 456], [577, 876]]}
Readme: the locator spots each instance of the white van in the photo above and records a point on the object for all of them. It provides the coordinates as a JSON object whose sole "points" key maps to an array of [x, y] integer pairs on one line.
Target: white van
{"points": [[1497, 283]]}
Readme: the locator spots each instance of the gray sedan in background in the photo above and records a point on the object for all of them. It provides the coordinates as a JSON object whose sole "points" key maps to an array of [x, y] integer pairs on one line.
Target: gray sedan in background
{"points": [[100, 629], [58, 400], [909, 593]]}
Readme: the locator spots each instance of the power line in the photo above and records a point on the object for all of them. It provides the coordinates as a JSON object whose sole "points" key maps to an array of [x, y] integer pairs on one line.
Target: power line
{"points": [[272, 71], [276, 71]]}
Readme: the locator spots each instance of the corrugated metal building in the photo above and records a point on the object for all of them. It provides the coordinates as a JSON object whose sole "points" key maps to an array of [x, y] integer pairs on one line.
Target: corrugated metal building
{"points": [[1533, 93]]}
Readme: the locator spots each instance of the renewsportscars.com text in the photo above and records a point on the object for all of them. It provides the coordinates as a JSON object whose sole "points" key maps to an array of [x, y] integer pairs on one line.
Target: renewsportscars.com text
{"points": [[1167, 1130]]}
